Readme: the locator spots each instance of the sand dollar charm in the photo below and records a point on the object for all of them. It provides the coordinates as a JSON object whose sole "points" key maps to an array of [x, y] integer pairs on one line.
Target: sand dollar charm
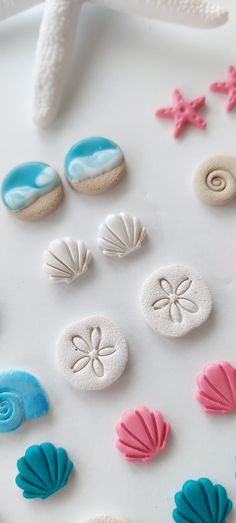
{"points": [[92, 353], [32, 190], [175, 300], [94, 165]]}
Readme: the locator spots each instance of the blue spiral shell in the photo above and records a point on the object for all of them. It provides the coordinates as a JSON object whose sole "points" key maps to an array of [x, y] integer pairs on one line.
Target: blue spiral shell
{"points": [[43, 471], [202, 502], [21, 398]]}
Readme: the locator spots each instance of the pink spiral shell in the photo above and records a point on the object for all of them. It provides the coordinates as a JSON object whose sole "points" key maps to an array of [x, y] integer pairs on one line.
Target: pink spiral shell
{"points": [[217, 388], [142, 434]]}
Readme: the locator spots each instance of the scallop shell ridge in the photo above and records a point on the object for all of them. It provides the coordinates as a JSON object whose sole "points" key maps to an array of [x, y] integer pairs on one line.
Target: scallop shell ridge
{"points": [[217, 388], [202, 501], [121, 234], [66, 260], [43, 471], [142, 434]]}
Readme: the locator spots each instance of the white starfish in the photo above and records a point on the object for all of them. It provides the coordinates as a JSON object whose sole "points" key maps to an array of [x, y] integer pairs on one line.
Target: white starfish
{"points": [[58, 29]]}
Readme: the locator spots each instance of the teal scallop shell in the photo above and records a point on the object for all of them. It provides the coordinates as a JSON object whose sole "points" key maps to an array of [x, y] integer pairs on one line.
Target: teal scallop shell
{"points": [[202, 502], [43, 470]]}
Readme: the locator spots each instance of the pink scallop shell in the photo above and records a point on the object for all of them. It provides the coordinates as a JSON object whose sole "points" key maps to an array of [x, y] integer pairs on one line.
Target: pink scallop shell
{"points": [[217, 388], [142, 434]]}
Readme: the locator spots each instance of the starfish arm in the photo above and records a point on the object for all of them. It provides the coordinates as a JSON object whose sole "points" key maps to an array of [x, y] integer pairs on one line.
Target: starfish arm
{"points": [[219, 87], [53, 53], [197, 120], [165, 112], [177, 97], [13, 7], [179, 124], [231, 73], [231, 102], [198, 103], [195, 13]]}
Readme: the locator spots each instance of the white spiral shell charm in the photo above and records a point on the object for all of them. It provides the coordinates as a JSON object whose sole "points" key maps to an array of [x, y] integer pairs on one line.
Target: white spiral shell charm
{"points": [[121, 234], [215, 180], [66, 259]]}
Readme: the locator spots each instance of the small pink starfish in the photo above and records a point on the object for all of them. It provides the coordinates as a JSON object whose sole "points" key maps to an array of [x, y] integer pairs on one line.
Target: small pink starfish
{"points": [[228, 87], [183, 113]]}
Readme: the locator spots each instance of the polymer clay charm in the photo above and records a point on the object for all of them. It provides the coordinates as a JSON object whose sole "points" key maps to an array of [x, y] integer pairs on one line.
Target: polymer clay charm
{"points": [[43, 470], [104, 519], [202, 501], [183, 113], [66, 260], [217, 388], [94, 165], [121, 234], [142, 434], [175, 300], [215, 180], [228, 87], [32, 190], [21, 398], [92, 353]]}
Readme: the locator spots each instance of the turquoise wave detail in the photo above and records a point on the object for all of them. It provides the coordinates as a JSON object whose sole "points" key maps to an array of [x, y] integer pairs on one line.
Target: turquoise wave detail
{"points": [[92, 157], [27, 182]]}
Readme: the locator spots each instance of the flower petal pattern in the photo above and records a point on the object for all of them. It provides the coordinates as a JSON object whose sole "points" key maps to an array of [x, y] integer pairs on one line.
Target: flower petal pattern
{"points": [[81, 344], [217, 388], [96, 336], [91, 352], [175, 299], [81, 363], [166, 286], [162, 302], [188, 305], [183, 287], [142, 434], [97, 367], [175, 313], [106, 351]]}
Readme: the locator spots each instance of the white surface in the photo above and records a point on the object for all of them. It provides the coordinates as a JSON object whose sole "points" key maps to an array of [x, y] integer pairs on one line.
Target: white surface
{"points": [[123, 69]]}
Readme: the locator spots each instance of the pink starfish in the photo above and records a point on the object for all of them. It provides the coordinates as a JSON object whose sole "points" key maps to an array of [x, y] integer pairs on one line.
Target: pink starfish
{"points": [[183, 113], [228, 87]]}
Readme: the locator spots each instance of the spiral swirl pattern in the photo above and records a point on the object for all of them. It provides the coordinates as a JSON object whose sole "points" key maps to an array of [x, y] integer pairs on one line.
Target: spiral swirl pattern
{"points": [[215, 180], [11, 411]]}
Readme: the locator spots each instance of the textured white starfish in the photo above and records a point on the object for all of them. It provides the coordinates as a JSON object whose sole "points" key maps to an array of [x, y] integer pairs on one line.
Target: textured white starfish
{"points": [[58, 29]]}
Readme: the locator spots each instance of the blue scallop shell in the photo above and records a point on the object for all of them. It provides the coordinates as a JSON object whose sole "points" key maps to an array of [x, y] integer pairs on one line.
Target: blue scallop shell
{"points": [[202, 502], [21, 398], [43, 471]]}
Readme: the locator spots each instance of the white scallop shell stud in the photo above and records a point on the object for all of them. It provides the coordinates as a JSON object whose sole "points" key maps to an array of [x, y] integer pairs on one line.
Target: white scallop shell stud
{"points": [[120, 235], [66, 260], [215, 180]]}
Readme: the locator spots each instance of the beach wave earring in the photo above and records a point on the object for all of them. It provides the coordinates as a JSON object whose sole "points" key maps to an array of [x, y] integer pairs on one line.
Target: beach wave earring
{"points": [[32, 190], [94, 165]]}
